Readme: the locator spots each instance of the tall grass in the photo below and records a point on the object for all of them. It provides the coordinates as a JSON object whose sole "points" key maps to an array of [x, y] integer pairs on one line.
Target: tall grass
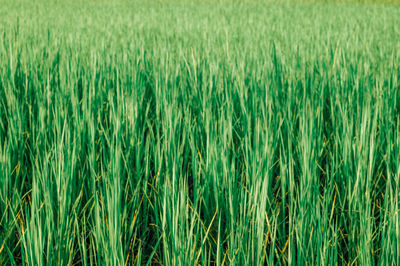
{"points": [[195, 133]]}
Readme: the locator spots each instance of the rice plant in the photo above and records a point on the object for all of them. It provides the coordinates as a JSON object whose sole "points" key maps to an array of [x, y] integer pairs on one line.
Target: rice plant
{"points": [[199, 133]]}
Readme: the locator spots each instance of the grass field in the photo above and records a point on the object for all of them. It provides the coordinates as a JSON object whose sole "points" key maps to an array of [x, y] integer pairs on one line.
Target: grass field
{"points": [[176, 133]]}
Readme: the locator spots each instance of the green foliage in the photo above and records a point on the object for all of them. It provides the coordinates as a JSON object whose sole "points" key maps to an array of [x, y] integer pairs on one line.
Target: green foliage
{"points": [[194, 133]]}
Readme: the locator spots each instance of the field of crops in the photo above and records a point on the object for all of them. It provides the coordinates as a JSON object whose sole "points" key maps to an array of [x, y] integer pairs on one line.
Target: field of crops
{"points": [[177, 133]]}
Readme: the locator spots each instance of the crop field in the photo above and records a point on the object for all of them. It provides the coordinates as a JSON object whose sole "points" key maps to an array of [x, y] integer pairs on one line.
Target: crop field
{"points": [[199, 133]]}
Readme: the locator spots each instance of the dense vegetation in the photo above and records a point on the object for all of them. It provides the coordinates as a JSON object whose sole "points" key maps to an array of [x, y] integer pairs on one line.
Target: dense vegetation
{"points": [[196, 133]]}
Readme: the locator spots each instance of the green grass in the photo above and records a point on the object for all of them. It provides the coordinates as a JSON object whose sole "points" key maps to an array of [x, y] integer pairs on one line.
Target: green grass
{"points": [[179, 133]]}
